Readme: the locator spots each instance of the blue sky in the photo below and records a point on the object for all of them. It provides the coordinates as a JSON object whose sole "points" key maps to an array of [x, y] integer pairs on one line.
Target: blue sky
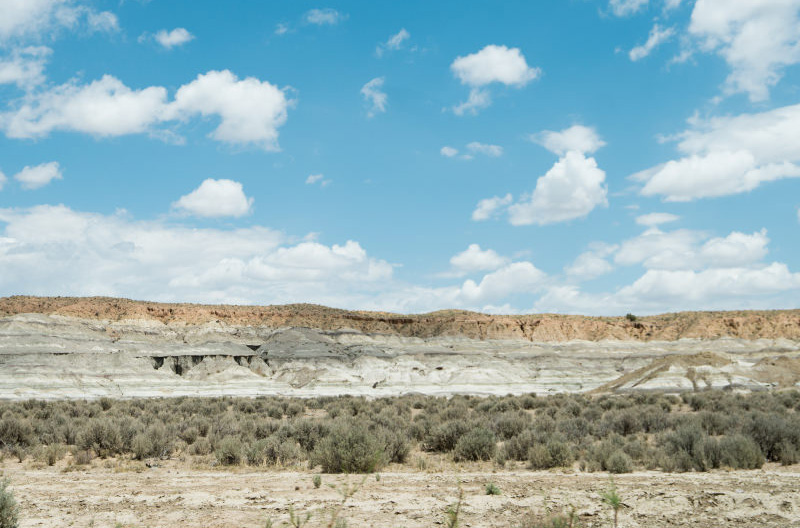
{"points": [[595, 157]]}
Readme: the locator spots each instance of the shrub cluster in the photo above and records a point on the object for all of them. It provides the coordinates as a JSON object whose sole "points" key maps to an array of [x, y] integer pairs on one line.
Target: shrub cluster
{"points": [[697, 431]]}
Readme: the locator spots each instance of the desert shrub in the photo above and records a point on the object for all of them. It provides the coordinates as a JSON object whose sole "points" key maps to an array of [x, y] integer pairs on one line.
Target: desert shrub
{"points": [[517, 448], [50, 454], [9, 511], [510, 424], [272, 450], [623, 422], [443, 438], [788, 453], [349, 447], [189, 434], [309, 432], [554, 453], [396, 444], [83, 457], [101, 435], [201, 446], [229, 451], [492, 489], [550, 520], [476, 444], [740, 452], [770, 431], [618, 462], [15, 431]]}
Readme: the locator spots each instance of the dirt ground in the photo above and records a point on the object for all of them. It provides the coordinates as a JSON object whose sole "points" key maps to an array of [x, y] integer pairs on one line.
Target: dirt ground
{"points": [[128, 494]]}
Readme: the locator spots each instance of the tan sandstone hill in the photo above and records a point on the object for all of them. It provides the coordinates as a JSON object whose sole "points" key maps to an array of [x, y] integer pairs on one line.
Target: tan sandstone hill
{"points": [[772, 324]]}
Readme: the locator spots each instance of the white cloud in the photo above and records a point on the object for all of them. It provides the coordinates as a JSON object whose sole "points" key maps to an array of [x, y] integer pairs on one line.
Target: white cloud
{"points": [[571, 189], [448, 152], [105, 107], [375, 96], [684, 249], [492, 64], [176, 37], [656, 219], [728, 155], [25, 66], [489, 207], [492, 151], [515, 278], [589, 266], [104, 21], [324, 17], [250, 111], [475, 259], [317, 178], [577, 137], [685, 270], [3, 180], [216, 198], [36, 19], [39, 175], [657, 36], [626, 7], [281, 29], [395, 42], [758, 40], [478, 100], [53, 250]]}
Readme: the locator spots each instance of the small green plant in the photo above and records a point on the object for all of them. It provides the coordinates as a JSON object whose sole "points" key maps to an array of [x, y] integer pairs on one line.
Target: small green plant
{"points": [[453, 511], [8, 506], [612, 499], [317, 480], [346, 491], [298, 520], [492, 489]]}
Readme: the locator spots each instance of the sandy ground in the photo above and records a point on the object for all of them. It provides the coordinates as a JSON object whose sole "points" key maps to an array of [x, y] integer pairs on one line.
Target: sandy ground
{"points": [[175, 494]]}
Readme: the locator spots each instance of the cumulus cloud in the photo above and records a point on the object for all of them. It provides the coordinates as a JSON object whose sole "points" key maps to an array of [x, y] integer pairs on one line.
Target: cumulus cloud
{"points": [[317, 178], [476, 259], [395, 42], [250, 110], [577, 137], [38, 176], [626, 7], [54, 250], [448, 152], [493, 151], [324, 17], [489, 207], [657, 37], [693, 250], [758, 40], [25, 66], [214, 199], [34, 19], [176, 37], [374, 96], [728, 155], [684, 270], [593, 263], [492, 64], [656, 219], [571, 189]]}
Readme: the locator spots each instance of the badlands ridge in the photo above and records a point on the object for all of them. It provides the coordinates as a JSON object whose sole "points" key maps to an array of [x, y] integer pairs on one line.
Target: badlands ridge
{"points": [[91, 347]]}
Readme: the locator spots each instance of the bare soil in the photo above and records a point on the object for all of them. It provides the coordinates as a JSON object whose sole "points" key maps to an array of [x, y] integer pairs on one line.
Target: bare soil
{"points": [[176, 494]]}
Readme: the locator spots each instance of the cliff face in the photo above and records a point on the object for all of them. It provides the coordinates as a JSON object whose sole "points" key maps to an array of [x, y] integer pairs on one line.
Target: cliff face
{"points": [[83, 348], [537, 328]]}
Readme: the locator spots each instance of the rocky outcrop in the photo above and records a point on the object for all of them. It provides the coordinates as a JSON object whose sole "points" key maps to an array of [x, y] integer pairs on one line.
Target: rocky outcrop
{"points": [[452, 323], [49, 355]]}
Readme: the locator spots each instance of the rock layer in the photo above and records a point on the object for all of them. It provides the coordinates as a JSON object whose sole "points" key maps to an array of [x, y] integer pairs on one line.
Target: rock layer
{"points": [[79, 348]]}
